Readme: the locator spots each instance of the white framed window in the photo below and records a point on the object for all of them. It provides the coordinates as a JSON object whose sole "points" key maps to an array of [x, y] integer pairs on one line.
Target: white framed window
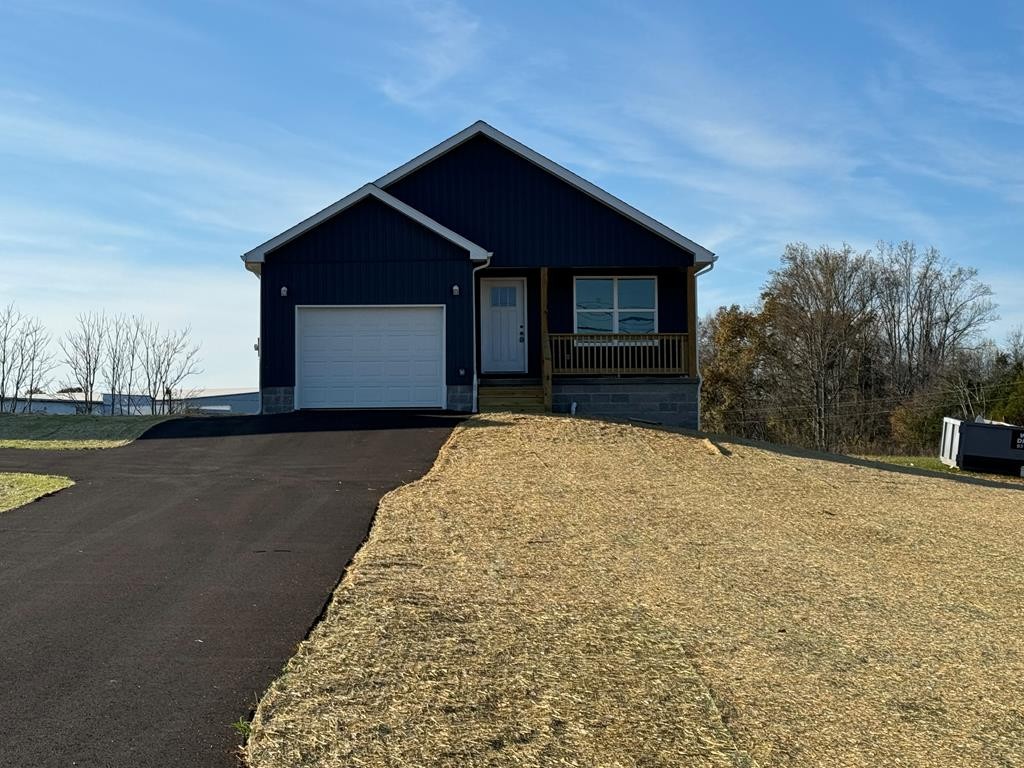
{"points": [[616, 304]]}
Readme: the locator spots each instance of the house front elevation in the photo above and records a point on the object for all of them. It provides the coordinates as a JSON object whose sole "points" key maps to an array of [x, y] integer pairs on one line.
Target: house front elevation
{"points": [[481, 274]]}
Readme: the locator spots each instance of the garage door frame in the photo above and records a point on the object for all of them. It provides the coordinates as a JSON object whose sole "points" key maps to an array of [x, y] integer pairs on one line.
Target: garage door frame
{"points": [[297, 396]]}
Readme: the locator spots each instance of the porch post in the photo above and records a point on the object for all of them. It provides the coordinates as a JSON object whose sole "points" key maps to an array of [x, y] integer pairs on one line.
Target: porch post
{"points": [[691, 321], [545, 342]]}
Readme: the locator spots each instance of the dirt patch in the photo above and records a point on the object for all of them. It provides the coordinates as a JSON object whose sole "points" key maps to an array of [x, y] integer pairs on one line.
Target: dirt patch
{"points": [[569, 592]]}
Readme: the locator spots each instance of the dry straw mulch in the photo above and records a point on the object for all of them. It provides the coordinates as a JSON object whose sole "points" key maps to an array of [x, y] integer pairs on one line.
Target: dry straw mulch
{"points": [[562, 592]]}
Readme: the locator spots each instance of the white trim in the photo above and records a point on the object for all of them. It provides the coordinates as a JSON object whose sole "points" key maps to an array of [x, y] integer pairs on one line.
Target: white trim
{"points": [[257, 255], [701, 254], [296, 402], [526, 322], [615, 308]]}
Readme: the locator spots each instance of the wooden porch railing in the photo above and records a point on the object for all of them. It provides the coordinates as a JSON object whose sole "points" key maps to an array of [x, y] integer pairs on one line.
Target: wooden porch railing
{"points": [[614, 353]]}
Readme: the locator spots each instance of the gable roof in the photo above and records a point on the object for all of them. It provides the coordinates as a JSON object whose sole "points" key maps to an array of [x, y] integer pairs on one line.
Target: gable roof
{"points": [[257, 255], [702, 256]]}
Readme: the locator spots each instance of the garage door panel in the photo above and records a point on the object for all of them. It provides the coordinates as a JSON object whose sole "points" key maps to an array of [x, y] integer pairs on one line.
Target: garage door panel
{"points": [[370, 357]]}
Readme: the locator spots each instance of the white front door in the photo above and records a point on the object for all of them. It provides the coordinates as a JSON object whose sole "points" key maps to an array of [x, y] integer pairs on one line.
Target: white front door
{"points": [[503, 325]]}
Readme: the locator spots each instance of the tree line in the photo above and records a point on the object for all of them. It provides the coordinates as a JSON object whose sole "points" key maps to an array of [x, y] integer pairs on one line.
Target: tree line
{"points": [[123, 355], [859, 352]]}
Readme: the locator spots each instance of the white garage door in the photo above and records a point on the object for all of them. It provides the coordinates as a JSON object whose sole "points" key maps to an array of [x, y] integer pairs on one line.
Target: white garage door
{"points": [[370, 357]]}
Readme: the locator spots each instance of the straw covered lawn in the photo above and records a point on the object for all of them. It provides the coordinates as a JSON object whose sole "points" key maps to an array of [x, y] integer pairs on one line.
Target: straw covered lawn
{"points": [[564, 592]]}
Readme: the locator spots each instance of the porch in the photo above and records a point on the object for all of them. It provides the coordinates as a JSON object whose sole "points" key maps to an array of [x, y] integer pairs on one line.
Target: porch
{"points": [[566, 329]]}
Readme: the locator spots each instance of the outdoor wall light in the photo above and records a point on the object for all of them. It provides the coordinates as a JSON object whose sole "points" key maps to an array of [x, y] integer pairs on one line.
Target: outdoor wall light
{"points": [[455, 290], [284, 290]]}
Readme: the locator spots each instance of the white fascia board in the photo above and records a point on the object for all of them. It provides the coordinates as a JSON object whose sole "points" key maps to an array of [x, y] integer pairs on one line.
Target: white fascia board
{"points": [[701, 254], [257, 255]]}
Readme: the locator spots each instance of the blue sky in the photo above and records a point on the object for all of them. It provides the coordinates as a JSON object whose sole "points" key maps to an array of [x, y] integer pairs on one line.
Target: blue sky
{"points": [[143, 147]]}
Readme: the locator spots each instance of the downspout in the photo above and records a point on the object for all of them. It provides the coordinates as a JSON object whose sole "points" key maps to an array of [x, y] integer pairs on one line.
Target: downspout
{"points": [[476, 361], [259, 338], [700, 379]]}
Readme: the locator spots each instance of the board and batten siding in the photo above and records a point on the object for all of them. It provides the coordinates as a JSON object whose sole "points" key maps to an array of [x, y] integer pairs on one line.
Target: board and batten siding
{"points": [[369, 254], [527, 216]]}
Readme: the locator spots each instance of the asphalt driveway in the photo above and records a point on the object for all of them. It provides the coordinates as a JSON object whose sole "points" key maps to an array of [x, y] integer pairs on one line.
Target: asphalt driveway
{"points": [[145, 609]]}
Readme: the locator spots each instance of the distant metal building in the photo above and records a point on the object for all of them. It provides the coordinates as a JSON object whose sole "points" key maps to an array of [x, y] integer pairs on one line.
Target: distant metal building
{"points": [[983, 446], [225, 400], [221, 400], [61, 403]]}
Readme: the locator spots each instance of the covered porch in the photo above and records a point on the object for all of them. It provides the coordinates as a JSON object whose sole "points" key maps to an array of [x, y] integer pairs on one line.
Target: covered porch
{"points": [[559, 329]]}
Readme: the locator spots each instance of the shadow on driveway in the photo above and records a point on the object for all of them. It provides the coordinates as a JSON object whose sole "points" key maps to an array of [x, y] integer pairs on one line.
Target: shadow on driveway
{"points": [[299, 422]]}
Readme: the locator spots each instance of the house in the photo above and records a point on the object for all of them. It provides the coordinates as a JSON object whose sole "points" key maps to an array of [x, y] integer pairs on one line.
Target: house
{"points": [[481, 274]]}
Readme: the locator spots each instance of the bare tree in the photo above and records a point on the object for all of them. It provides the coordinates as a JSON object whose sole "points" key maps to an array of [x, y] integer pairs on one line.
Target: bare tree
{"points": [[113, 364], [121, 361], [10, 320], [818, 308], [928, 310], [37, 359], [1014, 347], [151, 363], [26, 359], [83, 347], [970, 379], [134, 338], [167, 359], [183, 358]]}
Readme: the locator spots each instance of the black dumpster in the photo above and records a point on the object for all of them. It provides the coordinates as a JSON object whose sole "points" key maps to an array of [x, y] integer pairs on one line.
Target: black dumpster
{"points": [[983, 446]]}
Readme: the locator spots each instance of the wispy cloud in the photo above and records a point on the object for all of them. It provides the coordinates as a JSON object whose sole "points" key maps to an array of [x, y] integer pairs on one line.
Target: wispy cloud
{"points": [[444, 41], [969, 80], [742, 141], [200, 179]]}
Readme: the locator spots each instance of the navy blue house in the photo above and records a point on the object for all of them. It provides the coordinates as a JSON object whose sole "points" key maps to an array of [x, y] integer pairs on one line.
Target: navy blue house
{"points": [[481, 275]]}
